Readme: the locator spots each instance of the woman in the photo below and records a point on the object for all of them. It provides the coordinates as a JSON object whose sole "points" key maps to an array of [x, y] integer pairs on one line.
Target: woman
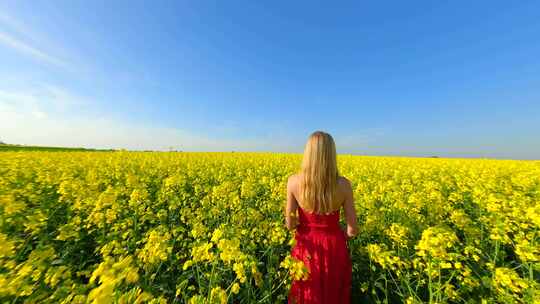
{"points": [[317, 192]]}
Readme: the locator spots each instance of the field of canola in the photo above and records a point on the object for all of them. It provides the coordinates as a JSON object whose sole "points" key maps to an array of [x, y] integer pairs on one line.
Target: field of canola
{"points": [[143, 227]]}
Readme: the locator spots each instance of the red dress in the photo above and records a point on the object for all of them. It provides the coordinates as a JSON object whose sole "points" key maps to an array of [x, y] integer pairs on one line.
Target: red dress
{"points": [[322, 245]]}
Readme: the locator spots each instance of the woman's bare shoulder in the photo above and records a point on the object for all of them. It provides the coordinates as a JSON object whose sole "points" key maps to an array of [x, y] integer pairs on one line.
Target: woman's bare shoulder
{"points": [[292, 176], [292, 179], [343, 181]]}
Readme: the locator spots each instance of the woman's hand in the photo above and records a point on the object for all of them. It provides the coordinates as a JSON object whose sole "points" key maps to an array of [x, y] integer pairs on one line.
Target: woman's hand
{"points": [[291, 221], [345, 234], [349, 232], [350, 211], [352, 232]]}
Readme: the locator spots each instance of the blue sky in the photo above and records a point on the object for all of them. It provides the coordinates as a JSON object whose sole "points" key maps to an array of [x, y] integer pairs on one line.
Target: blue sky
{"points": [[420, 78]]}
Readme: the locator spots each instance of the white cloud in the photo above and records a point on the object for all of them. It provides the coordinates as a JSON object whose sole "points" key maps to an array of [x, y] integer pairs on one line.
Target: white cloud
{"points": [[39, 114], [41, 99], [37, 128], [359, 140], [19, 42], [32, 118], [62, 98], [16, 98], [22, 47], [13, 24]]}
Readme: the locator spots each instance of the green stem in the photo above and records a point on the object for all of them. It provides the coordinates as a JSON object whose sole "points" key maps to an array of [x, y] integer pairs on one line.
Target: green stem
{"points": [[211, 278], [429, 283], [438, 291], [272, 291]]}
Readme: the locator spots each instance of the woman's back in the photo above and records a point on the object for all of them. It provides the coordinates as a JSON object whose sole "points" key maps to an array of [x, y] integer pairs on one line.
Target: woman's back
{"points": [[321, 245], [317, 193], [343, 200], [337, 202], [310, 221]]}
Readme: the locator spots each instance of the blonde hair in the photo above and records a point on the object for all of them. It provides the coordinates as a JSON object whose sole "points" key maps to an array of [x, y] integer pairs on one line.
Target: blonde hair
{"points": [[319, 173]]}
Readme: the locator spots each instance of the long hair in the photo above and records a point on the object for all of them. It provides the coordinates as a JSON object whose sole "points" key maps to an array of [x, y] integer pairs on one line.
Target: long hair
{"points": [[318, 184]]}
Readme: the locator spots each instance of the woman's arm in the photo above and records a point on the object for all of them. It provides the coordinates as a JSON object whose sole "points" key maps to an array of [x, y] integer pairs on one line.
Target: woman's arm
{"points": [[290, 208], [350, 212]]}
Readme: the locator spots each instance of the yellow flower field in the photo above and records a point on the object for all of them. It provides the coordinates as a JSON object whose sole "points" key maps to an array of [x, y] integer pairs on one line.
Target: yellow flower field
{"points": [[165, 227]]}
